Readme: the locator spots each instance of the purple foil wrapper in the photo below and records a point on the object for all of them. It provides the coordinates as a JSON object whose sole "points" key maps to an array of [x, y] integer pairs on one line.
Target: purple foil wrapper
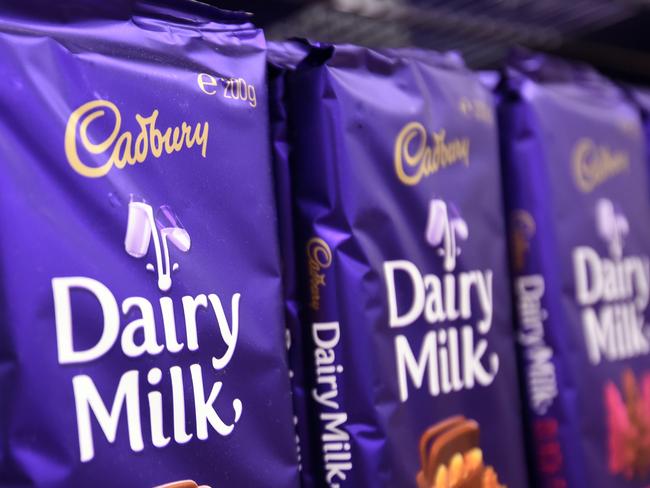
{"points": [[141, 322], [283, 57], [641, 96], [577, 203], [397, 190]]}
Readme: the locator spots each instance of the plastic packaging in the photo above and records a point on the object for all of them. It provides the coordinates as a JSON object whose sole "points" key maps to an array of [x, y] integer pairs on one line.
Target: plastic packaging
{"points": [[141, 327]]}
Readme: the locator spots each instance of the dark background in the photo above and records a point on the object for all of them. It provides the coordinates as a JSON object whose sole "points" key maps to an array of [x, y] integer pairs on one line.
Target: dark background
{"points": [[613, 35]]}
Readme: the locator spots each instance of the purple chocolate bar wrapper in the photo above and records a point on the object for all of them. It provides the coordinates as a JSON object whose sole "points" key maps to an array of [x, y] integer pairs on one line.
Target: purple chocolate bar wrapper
{"points": [[284, 56], [641, 97], [141, 321], [398, 200], [577, 204]]}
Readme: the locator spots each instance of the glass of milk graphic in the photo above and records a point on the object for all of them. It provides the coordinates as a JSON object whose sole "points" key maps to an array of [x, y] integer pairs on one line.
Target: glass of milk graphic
{"points": [[445, 227], [166, 227], [612, 226]]}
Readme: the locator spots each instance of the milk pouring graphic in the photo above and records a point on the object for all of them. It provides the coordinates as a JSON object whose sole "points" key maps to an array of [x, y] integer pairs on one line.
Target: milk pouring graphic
{"points": [[612, 226], [166, 227], [444, 227]]}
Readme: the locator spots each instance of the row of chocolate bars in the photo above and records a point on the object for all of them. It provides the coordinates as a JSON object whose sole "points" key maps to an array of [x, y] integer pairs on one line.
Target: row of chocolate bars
{"points": [[232, 263]]}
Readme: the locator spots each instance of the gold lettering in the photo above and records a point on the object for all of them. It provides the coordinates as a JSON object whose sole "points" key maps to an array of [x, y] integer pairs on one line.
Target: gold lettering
{"points": [[204, 79], [593, 164], [202, 138], [319, 256], [172, 140], [124, 148], [414, 159], [156, 136], [141, 142], [123, 144], [78, 124]]}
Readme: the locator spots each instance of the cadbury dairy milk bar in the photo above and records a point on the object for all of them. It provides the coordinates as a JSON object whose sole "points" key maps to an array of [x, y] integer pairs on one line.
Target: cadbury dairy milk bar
{"points": [[577, 198], [401, 243], [641, 96], [283, 57], [141, 329]]}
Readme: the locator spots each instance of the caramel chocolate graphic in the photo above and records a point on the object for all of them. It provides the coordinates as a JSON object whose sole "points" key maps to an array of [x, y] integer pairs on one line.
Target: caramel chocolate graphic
{"points": [[451, 457], [182, 484], [628, 422]]}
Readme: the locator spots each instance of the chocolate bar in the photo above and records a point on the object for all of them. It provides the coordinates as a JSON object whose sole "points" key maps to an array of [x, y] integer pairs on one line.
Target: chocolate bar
{"points": [[576, 174], [402, 260], [142, 338]]}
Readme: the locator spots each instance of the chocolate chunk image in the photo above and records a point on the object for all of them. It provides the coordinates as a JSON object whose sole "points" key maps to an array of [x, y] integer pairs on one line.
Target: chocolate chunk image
{"points": [[182, 484], [451, 457]]}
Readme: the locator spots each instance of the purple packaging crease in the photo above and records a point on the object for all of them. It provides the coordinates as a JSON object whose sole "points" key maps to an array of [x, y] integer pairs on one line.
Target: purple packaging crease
{"points": [[641, 97], [577, 205], [141, 329], [282, 57], [403, 265]]}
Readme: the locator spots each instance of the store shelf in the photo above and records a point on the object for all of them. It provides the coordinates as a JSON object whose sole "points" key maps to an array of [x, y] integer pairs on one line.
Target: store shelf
{"points": [[608, 34]]}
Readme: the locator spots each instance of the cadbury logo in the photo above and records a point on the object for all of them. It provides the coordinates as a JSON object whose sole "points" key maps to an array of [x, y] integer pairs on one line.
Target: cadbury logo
{"points": [[125, 148], [319, 256], [415, 159], [593, 164]]}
